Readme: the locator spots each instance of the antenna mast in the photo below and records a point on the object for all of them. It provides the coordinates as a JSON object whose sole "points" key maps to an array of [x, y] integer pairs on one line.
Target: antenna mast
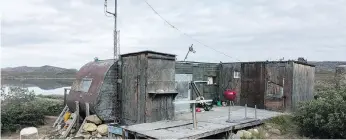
{"points": [[115, 49], [190, 50]]}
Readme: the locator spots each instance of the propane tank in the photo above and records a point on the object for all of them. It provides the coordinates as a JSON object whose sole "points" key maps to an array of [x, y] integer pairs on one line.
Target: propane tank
{"points": [[230, 94]]}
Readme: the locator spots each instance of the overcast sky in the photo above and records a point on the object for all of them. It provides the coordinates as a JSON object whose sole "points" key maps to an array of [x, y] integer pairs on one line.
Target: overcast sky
{"points": [[70, 33]]}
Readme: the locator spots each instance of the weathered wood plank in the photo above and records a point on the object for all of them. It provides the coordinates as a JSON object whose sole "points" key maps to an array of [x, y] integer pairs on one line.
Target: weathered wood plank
{"points": [[209, 123]]}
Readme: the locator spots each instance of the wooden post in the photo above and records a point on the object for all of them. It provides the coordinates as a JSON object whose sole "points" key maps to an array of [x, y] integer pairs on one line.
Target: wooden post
{"points": [[65, 94], [194, 115], [87, 112], [77, 114]]}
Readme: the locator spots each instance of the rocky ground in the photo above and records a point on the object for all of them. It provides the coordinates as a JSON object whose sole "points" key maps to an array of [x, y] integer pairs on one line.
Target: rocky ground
{"points": [[266, 131]]}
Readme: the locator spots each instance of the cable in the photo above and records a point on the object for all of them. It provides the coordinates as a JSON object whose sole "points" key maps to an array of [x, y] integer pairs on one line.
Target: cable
{"points": [[152, 8]]}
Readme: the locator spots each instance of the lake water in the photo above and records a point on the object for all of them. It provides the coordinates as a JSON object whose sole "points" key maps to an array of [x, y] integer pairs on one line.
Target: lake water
{"points": [[45, 87]]}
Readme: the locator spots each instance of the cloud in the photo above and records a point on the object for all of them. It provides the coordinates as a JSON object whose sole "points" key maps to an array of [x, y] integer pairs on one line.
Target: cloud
{"points": [[73, 32]]}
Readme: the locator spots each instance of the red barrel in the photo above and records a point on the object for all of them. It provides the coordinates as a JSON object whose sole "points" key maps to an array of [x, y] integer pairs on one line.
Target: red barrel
{"points": [[230, 94]]}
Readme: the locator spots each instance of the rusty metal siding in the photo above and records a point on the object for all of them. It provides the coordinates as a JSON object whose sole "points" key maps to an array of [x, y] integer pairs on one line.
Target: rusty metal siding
{"points": [[227, 80], [303, 83], [96, 71], [148, 87]]}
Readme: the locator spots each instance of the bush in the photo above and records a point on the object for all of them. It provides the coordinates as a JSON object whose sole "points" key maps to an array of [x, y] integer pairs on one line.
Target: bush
{"points": [[324, 117], [21, 108]]}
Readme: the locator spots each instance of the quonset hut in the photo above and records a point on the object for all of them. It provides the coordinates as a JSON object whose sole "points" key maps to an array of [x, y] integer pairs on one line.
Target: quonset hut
{"points": [[95, 84]]}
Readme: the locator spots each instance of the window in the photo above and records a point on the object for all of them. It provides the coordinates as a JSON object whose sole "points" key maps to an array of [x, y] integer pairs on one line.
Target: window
{"points": [[211, 80], [236, 74], [85, 85]]}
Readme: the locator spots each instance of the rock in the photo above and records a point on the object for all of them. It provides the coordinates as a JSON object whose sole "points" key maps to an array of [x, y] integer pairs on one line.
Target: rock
{"points": [[275, 131], [86, 136], [94, 133], [239, 134], [99, 135], [254, 131], [102, 129], [247, 135], [94, 119], [266, 135], [89, 127]]}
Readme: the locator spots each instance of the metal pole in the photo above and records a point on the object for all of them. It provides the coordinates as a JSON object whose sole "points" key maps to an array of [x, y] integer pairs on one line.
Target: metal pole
{"points": [[115, 30], [245, 110], [255, 111], [229, 111], [194, 116]]}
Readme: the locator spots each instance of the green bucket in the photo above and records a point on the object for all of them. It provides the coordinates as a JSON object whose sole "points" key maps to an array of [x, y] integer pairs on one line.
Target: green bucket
{"points": [[218, 103]]}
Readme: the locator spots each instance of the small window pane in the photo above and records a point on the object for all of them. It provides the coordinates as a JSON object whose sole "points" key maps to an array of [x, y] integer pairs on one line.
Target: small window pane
{"points": [[236, 74], [85, 85], [211, 80]]}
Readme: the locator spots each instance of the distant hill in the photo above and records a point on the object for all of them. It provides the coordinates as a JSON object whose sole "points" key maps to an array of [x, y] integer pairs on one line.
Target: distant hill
{"points": [[326, 66], [46, 71]]}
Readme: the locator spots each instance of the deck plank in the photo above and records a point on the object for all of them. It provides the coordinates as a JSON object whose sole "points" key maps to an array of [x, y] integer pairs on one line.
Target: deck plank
{"points": [[208, 123]]}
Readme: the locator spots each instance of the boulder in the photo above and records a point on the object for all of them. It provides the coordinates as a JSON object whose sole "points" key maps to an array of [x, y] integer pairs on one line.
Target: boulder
{"points": [[94, 119], [102, 129], [275, 131], [247, 135], [254, 131], [239, 134], [89, 127]]}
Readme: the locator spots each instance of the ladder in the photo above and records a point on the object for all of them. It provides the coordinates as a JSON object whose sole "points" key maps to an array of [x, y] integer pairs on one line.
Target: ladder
{"points": [[61, 116], [75, 119]]}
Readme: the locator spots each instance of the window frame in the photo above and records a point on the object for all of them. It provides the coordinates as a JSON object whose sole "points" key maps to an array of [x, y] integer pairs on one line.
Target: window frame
{"points": [[236, 75], [83, 87]]}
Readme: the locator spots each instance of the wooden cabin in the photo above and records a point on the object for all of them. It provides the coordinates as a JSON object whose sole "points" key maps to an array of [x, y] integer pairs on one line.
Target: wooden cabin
{"points": [[278, 85]]}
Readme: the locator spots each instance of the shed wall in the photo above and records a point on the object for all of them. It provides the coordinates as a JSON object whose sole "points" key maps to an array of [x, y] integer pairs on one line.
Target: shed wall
{"points": [[252, 84], [227, 80], [303, 84], [278, 78], [148, 87], [201, 72]]}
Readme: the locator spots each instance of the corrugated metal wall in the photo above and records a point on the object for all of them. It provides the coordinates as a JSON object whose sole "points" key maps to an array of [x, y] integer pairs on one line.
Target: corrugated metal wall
{"points": [[201, 72]]}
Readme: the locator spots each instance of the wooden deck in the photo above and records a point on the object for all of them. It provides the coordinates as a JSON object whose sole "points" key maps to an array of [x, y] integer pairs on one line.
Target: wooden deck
{"points": [[208, 123]]}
